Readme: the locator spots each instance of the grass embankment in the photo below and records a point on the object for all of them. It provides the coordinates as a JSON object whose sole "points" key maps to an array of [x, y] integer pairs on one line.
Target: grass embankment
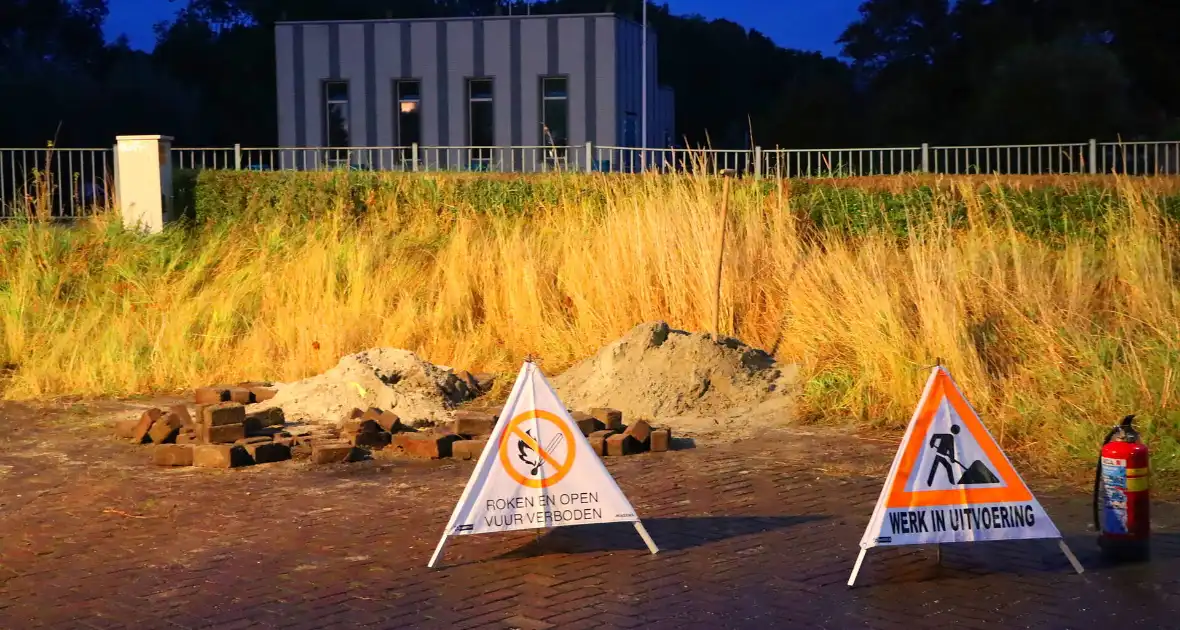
{"points": [[1055, 303]]}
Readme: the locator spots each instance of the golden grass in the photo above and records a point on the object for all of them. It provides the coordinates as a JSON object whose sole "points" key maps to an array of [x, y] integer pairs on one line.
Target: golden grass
{"points": [[1052, 341]]}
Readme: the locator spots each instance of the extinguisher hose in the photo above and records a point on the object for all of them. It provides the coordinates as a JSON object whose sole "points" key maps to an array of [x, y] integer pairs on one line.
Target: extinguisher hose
{"points": [[1098, 475]]}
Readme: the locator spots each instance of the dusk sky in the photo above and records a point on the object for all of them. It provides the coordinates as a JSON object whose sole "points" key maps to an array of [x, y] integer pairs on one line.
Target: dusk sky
{"points": [[800, 24]]}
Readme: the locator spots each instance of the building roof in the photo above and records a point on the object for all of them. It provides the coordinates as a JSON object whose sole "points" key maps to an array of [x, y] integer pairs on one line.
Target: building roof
{"points": [[461, 19]]}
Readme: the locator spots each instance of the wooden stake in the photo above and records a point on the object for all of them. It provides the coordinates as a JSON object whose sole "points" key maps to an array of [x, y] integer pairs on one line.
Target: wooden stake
{"points": [[720, 258]]}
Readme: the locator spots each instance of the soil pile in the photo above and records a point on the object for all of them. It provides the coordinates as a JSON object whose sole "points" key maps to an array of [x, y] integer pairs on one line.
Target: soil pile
{"points": [[692, 381], [387, 378]]}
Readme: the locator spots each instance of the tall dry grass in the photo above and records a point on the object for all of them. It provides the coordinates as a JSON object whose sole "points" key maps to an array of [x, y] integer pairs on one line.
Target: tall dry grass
{"points": [[1053, 338]]}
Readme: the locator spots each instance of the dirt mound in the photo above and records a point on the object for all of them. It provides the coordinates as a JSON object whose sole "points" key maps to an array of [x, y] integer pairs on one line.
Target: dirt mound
{"points": [[693, 381], [387, 378]]}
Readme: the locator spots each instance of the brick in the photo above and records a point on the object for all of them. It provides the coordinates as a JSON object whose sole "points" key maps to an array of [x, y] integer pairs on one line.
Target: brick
{"points": [[126, 428], [257, 422], [590, 426], [468, 379], [188, 438], [386, 420], [210, 395], [473, 423], [334, 453], [598, 443], [172, 455], [263, 393], [220, 456], [424, 445], [660, 440], [640, 430], [254, 440], [380, 439], [468, 449], [287, 441], [620, 444], [186, 419], [224, 413], [165, 429], [612, 418], [223, 434], [268, 452], [140, 433], [241, 395]]}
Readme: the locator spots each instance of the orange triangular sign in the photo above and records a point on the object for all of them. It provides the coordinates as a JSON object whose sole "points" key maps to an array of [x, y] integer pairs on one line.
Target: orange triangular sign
{"points": [[950, 482]]}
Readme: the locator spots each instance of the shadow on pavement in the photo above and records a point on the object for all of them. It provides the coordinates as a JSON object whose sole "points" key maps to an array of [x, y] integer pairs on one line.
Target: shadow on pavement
{"points": [[669, 534]]}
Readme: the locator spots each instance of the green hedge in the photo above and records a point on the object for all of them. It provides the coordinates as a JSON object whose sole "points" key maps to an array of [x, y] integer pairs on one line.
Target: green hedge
{"points": [[1043, 211]]}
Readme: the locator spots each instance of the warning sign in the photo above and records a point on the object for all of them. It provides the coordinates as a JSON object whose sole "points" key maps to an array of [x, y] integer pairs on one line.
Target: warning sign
{"points": [[537, 471], [950, 482]]}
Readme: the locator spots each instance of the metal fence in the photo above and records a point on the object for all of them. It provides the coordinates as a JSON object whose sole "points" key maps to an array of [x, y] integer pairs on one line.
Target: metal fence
{"points": [[55, 183], [1130, 158], [69, 182]]}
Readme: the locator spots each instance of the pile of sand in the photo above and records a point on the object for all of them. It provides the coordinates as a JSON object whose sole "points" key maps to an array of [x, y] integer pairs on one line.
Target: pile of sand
{"points": [[691, 381], [386, 378]]}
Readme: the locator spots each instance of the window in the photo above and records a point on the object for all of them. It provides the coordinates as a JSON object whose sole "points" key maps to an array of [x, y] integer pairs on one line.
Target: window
{"points": [[555, 115], [480, 113], [336, 120], [408, 94]]}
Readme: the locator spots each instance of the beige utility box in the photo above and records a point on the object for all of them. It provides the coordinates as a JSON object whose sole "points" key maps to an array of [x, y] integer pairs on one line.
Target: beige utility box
{"points": [[144, 185]]}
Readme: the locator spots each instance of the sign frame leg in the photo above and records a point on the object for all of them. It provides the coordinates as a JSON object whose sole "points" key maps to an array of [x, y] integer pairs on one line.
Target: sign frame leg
{"points": [[856, 567], [651, 545], [1077, 566], [442, 543]]}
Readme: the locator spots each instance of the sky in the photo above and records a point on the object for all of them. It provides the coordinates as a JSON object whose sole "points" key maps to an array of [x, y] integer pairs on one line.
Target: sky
{"points": [[799, 24]]}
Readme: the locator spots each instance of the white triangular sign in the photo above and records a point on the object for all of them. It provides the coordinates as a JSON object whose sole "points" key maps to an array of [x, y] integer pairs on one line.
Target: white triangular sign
{"points": [[537, 471], [950, 482]]}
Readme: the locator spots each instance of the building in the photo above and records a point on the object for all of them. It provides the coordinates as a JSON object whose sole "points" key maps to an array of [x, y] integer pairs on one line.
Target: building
{"points": [[549, 82]]}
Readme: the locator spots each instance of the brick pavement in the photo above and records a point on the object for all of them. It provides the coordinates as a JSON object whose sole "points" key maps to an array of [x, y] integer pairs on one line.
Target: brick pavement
{"points": [[750, 537]]}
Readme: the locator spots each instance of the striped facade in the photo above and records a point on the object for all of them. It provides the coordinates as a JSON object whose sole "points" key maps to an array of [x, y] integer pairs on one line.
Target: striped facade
{"points": [[598, 54]]}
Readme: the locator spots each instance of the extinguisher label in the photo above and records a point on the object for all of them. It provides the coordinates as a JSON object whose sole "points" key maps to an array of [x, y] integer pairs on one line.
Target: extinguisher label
{"points": [[1114, 495]]}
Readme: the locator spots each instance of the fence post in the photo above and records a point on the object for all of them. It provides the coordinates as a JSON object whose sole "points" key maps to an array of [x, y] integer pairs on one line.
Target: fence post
{"points": [[414, 157], [589, 156], [1093, 156], [757, 162], [925, 157], [237, 157]]}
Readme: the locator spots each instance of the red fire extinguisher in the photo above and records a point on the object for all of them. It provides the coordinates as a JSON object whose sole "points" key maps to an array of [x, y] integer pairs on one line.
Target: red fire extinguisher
{"points": [[1122, 507]]}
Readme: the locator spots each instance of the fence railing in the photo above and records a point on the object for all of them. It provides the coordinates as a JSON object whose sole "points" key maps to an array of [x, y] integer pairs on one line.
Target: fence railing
{"points": [[54, 182], [67, 182]]}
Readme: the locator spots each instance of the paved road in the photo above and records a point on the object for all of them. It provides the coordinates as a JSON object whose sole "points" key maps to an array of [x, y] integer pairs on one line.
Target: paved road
{"points": [[751, 537]]}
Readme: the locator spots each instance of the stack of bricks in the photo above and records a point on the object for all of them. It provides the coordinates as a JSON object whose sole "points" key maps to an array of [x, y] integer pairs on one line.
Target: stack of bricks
{"points": [[610, 437], [218, 434]]}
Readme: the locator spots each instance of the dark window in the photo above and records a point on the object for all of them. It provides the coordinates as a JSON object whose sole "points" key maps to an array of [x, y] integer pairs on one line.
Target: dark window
{"points": [[336, 113], [555, 113], [481, 113]]}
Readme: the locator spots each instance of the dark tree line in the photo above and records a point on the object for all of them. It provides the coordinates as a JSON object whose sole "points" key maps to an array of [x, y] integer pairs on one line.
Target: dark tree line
{"points": [[970, 71]]}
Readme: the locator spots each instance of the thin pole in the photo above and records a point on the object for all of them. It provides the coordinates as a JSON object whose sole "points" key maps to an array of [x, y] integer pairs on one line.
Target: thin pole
{"points": [[643, 125]]}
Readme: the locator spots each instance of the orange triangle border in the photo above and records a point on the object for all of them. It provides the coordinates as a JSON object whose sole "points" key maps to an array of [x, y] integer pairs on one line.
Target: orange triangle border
{"points": [[944, 387]]}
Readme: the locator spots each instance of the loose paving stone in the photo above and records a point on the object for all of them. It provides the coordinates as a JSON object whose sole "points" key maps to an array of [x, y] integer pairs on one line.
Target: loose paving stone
{"points": [[610, 418], [473, 423], [165, 429], [172, 455], [139, 434], [210, 395], [468, 449], [660, 440], [186, 419], [334, 453], [267, 452], [380, 439], [224, 413], [424, 445], [220, 456], [224, 434]]}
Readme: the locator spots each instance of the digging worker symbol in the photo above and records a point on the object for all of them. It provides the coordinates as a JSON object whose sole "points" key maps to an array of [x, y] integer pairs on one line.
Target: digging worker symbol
{"points": [[944, 445]]}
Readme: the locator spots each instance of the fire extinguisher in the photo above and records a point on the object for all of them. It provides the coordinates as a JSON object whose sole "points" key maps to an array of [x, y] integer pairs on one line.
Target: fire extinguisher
{"points": [[1122, 507]]}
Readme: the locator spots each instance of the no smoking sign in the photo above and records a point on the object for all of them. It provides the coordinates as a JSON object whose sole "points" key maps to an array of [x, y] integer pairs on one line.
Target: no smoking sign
{"points": [[538, 449]]}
